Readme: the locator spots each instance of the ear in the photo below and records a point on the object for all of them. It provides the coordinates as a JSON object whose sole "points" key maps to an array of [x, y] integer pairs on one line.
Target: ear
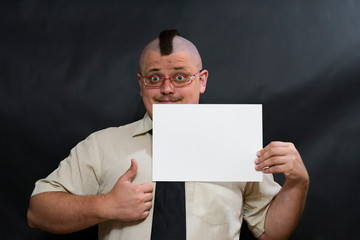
{"points": [[203, 80], [139, 80]]}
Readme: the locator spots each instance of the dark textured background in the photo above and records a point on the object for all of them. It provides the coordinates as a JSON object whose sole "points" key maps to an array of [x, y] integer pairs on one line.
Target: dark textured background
{"points": [[68, 68]]}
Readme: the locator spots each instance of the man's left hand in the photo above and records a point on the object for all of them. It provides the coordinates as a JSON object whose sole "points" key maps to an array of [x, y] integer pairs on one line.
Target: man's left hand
{"points": [[282, 157]]}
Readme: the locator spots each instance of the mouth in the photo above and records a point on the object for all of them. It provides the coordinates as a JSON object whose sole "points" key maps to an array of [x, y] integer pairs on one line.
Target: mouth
{"points": [[168, 100]]}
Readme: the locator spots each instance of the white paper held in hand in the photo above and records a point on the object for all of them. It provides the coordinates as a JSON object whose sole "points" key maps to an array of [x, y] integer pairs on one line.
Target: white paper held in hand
{"points": [[206, 142]]}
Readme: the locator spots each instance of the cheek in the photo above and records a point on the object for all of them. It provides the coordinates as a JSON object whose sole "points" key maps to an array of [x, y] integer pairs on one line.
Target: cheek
{"points": [[191, 97], [147, 100], [147, 96]]}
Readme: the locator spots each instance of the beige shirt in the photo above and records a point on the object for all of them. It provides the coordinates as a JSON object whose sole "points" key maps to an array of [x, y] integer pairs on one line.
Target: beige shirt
{"points": [[213, 210]]}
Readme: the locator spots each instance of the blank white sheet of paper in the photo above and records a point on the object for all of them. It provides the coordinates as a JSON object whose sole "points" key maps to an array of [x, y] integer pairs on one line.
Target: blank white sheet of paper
{"points": [[206, 142]]}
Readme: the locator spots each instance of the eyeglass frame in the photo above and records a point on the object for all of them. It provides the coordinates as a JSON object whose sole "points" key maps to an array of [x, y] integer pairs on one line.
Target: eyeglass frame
{"points": [[192, 77]]}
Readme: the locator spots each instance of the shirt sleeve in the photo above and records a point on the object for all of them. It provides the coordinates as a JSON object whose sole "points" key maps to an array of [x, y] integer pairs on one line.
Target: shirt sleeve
{"points": [[77, 174], [257, 199]]}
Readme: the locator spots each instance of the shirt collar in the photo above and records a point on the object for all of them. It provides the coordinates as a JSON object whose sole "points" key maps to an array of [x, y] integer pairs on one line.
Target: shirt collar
{"points": [[144, 125]]}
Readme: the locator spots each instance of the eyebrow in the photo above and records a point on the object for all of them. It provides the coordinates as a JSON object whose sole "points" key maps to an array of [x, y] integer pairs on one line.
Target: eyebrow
{"points": [[179, 68], [158, 69], [153, 70]]}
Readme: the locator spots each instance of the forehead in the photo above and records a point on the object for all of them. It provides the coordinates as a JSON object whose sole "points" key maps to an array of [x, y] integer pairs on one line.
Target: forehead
{"points": [[154, 60]]}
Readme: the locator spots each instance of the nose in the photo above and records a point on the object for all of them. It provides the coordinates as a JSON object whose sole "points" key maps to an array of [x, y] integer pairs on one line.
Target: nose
{"points": [[167, 87]]}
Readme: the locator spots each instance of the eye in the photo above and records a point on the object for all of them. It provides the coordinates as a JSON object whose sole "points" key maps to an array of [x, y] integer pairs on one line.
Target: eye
{"points": [[179, 78], [155, 78]]}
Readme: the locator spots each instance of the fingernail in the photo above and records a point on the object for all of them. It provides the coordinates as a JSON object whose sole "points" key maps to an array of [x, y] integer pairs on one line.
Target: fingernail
{"points": [[258, 154]]}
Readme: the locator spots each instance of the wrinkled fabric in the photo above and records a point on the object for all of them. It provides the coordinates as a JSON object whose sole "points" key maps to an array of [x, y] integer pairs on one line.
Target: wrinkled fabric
{"points": [[213, 210]]}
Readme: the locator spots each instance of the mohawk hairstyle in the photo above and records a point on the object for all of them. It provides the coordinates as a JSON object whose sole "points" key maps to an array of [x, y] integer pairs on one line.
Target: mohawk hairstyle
{"points": [[165, 41]]}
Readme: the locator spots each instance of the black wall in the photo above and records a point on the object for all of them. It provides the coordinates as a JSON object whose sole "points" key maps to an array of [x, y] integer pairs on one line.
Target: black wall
{"points": [[68, 68]]}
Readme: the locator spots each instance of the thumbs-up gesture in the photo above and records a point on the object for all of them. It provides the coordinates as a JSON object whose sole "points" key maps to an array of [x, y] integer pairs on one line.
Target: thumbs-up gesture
{"points": [[126, 201]]}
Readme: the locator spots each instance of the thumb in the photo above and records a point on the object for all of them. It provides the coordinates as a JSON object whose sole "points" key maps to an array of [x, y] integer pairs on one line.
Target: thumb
{"points": [[129, 175]]}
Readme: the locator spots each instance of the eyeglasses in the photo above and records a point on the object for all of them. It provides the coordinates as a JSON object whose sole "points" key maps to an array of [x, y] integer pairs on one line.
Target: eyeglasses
{"points": [[177, 81]]}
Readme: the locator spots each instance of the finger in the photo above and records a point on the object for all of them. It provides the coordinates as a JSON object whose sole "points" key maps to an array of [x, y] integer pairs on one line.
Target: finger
{"points": [[271, 162], [145, 214], [146, 187], [148, 197], [273, 144], [147, 206], [268, 153], [129, 175], [273, 152], [275, 169]]}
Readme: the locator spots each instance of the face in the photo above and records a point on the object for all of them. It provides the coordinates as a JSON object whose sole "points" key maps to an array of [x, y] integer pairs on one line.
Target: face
{"points": [[167, 66]]}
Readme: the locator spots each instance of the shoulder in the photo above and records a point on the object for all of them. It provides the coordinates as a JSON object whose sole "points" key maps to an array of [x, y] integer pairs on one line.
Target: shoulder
{"points": [[105, 139], [124, 130], [137, 128]]}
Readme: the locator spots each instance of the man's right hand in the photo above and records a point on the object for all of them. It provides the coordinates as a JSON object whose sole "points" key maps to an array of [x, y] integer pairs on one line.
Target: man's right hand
{"points": [[126, 201], [61, 212]]}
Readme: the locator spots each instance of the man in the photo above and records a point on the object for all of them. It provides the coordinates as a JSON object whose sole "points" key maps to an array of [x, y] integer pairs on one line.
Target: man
{"points": [[95, 184]]}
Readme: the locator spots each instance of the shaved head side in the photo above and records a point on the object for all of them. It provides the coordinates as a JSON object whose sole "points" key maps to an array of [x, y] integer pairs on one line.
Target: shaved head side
{"points": [[169, 42]]}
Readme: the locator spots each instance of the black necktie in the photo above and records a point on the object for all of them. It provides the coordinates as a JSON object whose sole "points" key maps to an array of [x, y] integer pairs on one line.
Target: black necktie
{"points": [[169, 220]]}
